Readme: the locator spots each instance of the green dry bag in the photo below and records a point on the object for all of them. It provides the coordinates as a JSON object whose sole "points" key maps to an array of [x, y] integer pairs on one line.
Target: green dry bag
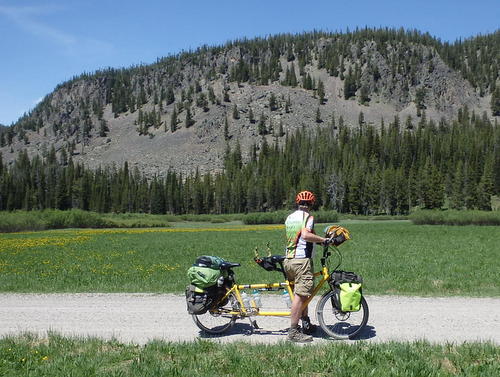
{"points": [[203, 277], [350, 297]]}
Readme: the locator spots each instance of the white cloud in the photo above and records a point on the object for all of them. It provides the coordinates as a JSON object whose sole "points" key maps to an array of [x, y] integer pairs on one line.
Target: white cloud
{"points": [[26, 19]]}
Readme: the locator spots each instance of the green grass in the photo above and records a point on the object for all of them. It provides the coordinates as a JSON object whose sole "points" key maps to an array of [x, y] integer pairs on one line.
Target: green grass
{"points": [[453, 217], [495, 203], [279, 217], [58, 356], [18, 221], [51, 219], [393, 257]]}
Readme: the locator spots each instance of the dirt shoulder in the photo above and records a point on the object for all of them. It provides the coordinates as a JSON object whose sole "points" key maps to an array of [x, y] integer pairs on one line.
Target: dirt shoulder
{"points": [[139, 318]]}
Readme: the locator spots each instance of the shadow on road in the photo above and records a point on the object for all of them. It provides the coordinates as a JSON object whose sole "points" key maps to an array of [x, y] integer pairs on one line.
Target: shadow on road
{"points": [[367, 333], [246, 329]]}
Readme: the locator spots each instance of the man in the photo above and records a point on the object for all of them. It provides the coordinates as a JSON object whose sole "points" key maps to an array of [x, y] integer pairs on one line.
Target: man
{"points": [[298, 263]]}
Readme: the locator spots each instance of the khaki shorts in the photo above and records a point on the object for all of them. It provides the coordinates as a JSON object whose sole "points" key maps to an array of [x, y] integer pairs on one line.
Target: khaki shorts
{"points": [[300, 271]]}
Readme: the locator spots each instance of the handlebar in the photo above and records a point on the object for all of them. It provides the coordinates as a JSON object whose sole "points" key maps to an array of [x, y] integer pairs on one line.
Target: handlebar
{"points": [[327, 253]]}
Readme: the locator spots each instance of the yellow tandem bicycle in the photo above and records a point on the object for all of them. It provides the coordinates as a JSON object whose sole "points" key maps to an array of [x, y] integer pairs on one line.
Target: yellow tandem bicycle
{"points": [[333, 321]]}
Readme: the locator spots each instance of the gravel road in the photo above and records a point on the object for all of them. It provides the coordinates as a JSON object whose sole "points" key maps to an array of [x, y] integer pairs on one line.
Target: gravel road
{"points": [[138, 318]]}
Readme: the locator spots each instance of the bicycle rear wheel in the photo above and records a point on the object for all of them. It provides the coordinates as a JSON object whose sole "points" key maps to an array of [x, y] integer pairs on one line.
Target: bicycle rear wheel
{"points": [[339, 324], [218, 320]]}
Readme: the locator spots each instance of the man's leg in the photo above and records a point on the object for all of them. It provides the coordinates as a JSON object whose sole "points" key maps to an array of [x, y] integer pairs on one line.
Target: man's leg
{"points": [[294, 334], [296, 310], [294, 269]]}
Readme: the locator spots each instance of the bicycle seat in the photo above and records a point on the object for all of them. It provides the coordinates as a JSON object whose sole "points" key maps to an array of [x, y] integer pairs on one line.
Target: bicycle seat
{"points": [[228, 265], [277, 258]]}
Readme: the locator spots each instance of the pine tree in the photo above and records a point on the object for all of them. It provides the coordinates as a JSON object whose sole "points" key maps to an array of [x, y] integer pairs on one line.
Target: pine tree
{"points": [[189, 120], [225, 94], [103, 128], [272, 102], [318, 116], [211, 95], [288, 105], [250, 115], [321, 92], [486, 187], [236, 113], [293, 78], [201, 101], [361, 121], [419, 100], [350, 85], [495, 101], [226, 129], [469, 188], [261, 128], [170, 96], [364, 95], [332, 122], [173, 121]]}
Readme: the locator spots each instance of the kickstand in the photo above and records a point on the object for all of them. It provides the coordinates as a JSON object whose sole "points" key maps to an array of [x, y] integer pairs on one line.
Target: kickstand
{"points": [[253, 325]]}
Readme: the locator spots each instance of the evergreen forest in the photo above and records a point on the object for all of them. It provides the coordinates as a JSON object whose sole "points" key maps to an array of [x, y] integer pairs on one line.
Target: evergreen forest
{"points": [[390, 168]]}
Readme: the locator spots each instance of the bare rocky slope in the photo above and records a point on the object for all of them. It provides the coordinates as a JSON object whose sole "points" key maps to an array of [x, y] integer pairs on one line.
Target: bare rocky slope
{"points": [[99, 119]]}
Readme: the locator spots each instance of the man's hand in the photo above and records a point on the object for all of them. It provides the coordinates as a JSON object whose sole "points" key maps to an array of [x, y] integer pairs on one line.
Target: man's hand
{"points": [[327, 241]]}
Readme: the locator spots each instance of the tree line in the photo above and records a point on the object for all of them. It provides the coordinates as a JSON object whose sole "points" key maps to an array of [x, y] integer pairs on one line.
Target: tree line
{"points": [[389, 168]]}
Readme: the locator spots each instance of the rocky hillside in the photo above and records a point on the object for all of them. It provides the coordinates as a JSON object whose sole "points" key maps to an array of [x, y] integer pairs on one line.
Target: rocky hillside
{"points": [[184, 111]]}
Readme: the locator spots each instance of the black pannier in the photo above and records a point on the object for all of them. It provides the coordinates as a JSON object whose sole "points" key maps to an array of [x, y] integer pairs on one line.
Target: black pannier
{"points": [[199, 300]]}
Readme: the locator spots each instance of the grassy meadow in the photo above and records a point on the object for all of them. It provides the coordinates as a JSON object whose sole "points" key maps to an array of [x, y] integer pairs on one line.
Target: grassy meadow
{"points": [[394, 257], [56, 356], [454, 217], [19, 221]]}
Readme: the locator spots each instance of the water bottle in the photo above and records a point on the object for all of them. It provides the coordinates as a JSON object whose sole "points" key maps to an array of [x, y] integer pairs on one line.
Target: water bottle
{"points": [[246, 300], [286, 298], [257, 299]]}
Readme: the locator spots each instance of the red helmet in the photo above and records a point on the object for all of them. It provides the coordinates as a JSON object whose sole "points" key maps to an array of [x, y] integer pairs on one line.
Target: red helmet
{"points": [[305, 196]]}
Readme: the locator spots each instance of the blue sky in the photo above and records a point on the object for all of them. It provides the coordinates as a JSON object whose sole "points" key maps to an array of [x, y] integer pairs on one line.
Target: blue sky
{"points": [[46, 42]]}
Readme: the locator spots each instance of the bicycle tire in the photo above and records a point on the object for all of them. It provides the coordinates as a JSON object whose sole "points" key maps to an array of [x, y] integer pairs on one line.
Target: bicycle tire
{"points": [[218, 321], [338, 324]]}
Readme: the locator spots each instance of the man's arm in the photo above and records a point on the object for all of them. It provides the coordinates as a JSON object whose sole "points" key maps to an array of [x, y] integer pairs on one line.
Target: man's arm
{"points": [[309, 236]]}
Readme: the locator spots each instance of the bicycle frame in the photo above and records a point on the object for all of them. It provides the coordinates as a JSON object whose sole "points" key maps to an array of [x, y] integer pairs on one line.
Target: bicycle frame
{"points": [[236, 288]]}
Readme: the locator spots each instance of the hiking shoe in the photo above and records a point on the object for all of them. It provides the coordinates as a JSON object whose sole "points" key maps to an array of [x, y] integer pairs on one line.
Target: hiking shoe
{"points": [[307, 327], [294, 335]]}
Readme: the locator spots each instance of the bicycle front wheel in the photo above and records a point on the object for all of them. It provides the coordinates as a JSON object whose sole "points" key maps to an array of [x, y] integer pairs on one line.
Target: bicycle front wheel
{"points": [[218, 320], [339, 324]]}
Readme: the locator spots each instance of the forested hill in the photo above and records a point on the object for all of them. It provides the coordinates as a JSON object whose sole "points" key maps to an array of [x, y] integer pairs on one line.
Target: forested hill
{"points": [[183, 112], [361, 169]]}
